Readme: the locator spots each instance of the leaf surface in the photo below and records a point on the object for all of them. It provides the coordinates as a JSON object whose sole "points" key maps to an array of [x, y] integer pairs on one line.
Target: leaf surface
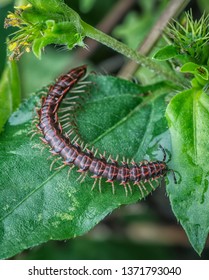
{"points": [[188, 118]]}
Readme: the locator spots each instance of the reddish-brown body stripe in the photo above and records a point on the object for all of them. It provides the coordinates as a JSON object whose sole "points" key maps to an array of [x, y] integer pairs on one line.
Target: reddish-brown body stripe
{"points": [[72, 153]]}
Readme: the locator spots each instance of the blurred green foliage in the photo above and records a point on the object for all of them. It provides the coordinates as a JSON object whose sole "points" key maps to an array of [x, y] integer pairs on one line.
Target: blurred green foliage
{"points": [[4, 8]]}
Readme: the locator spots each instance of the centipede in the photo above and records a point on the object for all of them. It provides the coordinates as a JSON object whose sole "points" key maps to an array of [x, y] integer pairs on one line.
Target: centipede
{"points": [[86, 160]]}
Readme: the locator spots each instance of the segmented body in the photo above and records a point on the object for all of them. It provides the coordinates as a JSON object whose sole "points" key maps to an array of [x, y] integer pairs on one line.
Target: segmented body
{"points": [[86, 161]]}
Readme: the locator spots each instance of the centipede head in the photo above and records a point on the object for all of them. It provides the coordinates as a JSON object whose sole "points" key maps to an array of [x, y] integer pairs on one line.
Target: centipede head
{"points": [[164, 161]]}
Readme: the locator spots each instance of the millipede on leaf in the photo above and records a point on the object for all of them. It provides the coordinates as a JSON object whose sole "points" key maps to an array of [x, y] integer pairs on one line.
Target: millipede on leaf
{"points": [[87, 161]]}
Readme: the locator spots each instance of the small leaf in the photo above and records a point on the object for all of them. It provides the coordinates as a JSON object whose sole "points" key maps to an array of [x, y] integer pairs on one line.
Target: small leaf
{"points": [[189, 67], [9, 92], [188, 118], [37, 47], [165, 53], [36, 204], [200, 73]]}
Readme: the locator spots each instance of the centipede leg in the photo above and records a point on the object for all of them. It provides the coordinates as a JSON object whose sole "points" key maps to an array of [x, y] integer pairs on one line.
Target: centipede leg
{"points": [[71, 168], [130, 189], [125, 188], [151, 185], [82, 177], [100, 186], [113, 187], [37, 146], [34, 133], [60, 167], [143, 186], [53, 162], [94, 184], [43, 140], [140, 188]]}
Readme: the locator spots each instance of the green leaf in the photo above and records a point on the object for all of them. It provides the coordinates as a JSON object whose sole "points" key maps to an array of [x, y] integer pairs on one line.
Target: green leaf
{"points": [[189, 67], [37, 204], [9, 92], [166, 52], [195, 69], [188, 118], [200, 73]]}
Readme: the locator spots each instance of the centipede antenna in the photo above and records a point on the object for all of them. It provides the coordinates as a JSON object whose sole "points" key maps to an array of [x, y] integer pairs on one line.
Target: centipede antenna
{"points": [[174, 175]]}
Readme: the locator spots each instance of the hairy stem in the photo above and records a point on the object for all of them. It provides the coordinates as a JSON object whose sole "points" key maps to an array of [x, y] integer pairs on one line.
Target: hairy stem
{"points": [[109, 41]]}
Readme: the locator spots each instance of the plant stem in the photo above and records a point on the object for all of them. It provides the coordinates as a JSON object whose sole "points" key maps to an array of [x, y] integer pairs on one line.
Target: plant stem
{"points": [[173, 9], [109, 41]]}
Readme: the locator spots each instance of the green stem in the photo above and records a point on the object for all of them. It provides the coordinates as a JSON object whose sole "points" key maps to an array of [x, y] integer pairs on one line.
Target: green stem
{"points": [[109, 41]]}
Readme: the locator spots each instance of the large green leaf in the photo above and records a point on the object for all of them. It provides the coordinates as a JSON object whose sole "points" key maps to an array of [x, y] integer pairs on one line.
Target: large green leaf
{"points": [[9, 92], [37, 204], [188, 117]]}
